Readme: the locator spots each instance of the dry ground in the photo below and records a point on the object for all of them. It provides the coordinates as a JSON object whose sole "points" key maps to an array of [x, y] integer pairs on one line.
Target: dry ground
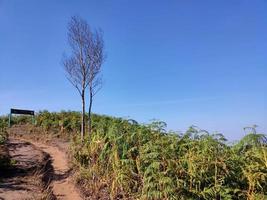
{"points": [[26, 179], [40, 171]]}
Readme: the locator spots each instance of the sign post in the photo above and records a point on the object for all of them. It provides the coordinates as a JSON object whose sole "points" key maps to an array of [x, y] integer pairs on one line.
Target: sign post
{"points": [[20, 112], [9, 120]]}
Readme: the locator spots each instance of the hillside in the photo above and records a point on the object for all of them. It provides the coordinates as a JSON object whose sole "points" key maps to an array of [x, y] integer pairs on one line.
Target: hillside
{"points": [[122, 159]]}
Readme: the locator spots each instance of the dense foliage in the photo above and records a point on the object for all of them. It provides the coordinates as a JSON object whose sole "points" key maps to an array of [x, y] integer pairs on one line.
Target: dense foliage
{"points": [[126, 160], [4, 156]]}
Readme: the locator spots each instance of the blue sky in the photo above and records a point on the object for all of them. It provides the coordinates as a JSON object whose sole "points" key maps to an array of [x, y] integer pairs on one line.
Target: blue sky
{"points": [[183, 62]]}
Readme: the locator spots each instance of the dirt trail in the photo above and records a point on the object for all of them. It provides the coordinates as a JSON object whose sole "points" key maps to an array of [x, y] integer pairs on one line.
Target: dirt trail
{"points": [[27, 155], [63, 188], [22, 180]]}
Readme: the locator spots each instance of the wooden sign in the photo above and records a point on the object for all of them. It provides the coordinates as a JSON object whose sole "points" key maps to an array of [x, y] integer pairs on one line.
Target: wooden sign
{"points": [[23, 112]]}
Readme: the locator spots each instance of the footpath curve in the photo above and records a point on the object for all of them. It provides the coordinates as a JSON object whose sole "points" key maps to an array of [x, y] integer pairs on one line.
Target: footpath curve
{"points": [[27, 155], [62, 186]]}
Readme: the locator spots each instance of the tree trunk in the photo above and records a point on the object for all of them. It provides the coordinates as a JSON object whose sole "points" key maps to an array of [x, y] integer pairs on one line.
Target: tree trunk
{"points": [[89, 113], [83, 117]]}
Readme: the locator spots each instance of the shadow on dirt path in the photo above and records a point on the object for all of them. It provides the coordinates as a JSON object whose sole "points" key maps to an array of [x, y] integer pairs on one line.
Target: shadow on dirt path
{"points": [[26, 179], [33, 165], [62, 185]]}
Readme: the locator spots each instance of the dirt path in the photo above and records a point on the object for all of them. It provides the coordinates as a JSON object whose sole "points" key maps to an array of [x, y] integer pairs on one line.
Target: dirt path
{"points": [[24, 179], [63, 188], [26, 156]]}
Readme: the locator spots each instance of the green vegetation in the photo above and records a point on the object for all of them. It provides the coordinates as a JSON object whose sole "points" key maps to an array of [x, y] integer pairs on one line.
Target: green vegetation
{"points": [[4, 156], [125, 160]]}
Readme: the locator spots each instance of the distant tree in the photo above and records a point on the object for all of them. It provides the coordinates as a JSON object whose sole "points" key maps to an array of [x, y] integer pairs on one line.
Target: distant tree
{"points": [[83, 66]]}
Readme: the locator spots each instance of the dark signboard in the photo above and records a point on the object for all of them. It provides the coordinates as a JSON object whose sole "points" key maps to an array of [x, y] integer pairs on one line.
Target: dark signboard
{"points": [[23, 112]]}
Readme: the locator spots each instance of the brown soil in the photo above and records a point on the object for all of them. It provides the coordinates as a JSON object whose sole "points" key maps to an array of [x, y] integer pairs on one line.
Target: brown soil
{"points": [[63, 187], [27, 155], [26, 178]]}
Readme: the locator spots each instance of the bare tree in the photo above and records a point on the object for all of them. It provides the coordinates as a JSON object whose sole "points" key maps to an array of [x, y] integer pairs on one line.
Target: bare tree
{"points": [[83, 66], [77, 64], [97, 57]]}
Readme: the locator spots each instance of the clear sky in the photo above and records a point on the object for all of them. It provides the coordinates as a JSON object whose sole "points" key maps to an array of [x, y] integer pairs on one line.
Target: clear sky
{"points": [[181, 61]]}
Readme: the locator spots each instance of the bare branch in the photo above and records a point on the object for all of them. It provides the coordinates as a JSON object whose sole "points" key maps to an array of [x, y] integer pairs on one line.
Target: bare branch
{"points": [[83, 66]]}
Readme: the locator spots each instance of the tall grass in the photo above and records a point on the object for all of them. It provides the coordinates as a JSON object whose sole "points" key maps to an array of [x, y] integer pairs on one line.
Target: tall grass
{"points": [[126, 160]]}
